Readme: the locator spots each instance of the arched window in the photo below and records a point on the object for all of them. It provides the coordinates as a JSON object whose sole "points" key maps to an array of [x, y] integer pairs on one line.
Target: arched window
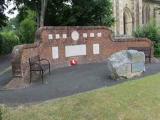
{"points": [[128, 21]]}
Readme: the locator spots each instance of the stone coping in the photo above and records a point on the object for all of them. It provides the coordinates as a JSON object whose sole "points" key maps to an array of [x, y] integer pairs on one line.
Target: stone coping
{"points": [[73, 27]]}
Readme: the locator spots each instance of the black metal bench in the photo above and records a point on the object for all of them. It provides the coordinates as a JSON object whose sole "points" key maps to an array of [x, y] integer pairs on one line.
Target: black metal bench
{"points": [[38, 64], [147, 51]]}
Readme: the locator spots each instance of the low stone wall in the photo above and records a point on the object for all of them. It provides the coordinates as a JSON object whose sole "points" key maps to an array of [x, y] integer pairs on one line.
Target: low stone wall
{"points": [[61, 44]]}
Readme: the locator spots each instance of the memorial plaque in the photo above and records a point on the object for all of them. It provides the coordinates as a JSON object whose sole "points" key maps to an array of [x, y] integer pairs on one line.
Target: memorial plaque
{"points": [[99, 34], [138, 67], [91, 34], [75, 50], [57, 36], [95, 49], [64, 36], [55, 54], [85, 35], [75, 35], [50, 36]]}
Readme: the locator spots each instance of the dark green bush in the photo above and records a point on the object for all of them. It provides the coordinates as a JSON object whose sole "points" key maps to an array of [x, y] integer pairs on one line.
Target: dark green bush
{"points": [[8, 41], [27, 28], [18, 32], [157, 50], [152, 32], [0, 44]]}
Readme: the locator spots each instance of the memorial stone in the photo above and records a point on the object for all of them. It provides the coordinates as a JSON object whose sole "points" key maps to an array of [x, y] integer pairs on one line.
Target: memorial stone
{"points": [[126, 64]]}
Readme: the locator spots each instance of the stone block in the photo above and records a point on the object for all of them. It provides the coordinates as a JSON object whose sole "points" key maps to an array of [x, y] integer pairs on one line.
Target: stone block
{"points": [[126, 64]]}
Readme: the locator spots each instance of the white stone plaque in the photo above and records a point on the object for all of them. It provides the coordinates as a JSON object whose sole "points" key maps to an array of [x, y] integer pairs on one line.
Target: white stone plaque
{"points": [[75, 35], [96, 49], [85, 35], [75, 50], [55, 53], [91, 34], [64, 36], [50, 36], [138, 67], [99, 34], [57, 36]]}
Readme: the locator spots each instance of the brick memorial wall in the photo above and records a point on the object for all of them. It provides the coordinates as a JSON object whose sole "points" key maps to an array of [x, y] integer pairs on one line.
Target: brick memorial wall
{"points": [[61, 44]]}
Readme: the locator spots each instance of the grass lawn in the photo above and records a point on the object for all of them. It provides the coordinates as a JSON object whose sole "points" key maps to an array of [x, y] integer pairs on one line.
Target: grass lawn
{"points": [[133, 100]]}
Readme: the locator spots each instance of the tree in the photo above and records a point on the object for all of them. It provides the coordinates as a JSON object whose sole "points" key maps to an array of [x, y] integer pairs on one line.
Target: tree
{"points": [[27, 28], [3, 18], [79, 12], [37, 5], [69, 12], [57, 13], [8, 41], [43, 10], [91, 12]]}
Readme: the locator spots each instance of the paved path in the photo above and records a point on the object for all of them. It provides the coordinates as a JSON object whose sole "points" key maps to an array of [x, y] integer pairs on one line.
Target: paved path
{"points": [[5, 69], [65, 82]]}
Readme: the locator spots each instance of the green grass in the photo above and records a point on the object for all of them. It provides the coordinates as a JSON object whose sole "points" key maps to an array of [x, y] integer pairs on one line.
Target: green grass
{"points": [[133, 100]]}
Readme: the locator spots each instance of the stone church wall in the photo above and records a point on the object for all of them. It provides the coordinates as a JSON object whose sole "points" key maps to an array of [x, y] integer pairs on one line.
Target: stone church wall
{"points": [[130, 14]]}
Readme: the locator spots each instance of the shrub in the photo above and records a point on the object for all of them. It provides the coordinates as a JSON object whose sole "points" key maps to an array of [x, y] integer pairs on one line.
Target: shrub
{"points": [[157, 50], [0, 43], [27, 28], [18, 33], [8, 41], [152, 32]]}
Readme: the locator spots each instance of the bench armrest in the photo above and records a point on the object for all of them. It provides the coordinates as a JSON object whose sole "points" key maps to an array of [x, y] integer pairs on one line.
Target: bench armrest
{"points": [[45, 60]]}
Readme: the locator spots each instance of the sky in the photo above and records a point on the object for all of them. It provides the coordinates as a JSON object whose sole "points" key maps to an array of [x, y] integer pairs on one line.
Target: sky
{"points": [[10, 6]]}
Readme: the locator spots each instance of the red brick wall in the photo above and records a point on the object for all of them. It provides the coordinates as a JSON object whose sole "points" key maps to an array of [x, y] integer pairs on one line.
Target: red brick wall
{"points": [[107, 46], [20, 63], [44, 46]]}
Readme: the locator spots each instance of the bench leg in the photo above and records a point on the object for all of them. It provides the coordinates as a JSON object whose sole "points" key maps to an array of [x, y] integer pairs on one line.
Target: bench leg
{"points": [[149, 59], [49, 69], [30, 77], [42, 73]]}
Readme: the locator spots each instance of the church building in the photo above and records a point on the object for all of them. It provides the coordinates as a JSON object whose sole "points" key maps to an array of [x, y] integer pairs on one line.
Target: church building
{"points": [[130, 14]]}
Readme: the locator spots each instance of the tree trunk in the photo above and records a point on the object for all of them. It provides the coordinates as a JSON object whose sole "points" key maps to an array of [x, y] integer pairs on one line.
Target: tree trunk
{"points": [[43, 10]]}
